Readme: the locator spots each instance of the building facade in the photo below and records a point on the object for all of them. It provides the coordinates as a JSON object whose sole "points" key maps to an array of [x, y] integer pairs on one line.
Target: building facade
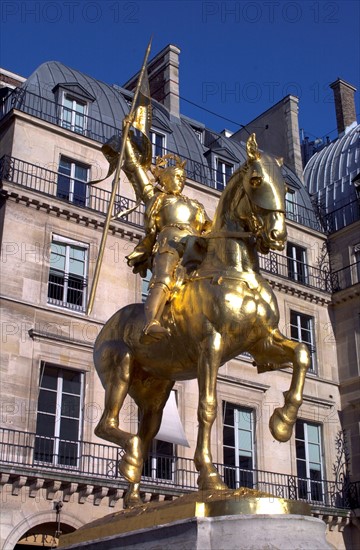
{"points": [[56, 475]]}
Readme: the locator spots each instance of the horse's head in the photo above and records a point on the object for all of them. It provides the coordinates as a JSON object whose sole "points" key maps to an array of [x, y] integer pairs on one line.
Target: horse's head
{"points": [[265, 190]]}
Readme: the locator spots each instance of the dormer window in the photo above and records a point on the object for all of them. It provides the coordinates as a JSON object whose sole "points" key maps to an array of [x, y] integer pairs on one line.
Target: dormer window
{"points": [[158, 143], [291, 206], [199, 134], [223, 172], [74, 103], [356, 182], [73, 114]]}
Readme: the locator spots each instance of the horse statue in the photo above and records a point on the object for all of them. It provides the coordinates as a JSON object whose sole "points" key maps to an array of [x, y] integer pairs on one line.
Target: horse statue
{"points": [[223, 308]]}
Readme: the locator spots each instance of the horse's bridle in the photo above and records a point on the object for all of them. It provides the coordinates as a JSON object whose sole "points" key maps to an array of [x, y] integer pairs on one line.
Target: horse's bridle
{"points": [[227, 234]]}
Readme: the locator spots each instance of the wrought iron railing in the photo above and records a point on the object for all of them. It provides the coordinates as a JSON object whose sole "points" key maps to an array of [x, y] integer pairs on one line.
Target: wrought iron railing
{"points": [[67, 290], [302, 215], [52, 112], [100, 462], [345, 277], [341, 217], [45, 181], [309, 276]]}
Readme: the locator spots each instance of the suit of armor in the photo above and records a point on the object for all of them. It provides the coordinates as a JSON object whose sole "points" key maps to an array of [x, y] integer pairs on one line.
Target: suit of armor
{"points": [[169, 218]]}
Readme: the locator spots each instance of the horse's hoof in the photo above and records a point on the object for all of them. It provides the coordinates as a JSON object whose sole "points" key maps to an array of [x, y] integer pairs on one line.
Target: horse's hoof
{"points": [[280, 426], [130, 472], [211, 482], [132, 498]]}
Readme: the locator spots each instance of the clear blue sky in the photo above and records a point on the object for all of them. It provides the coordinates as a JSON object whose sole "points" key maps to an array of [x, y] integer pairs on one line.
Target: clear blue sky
{"points": [[237, 57]]}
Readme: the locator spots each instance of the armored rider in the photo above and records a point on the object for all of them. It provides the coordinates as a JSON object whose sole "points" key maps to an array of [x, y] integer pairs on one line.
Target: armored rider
{"points": [[170, 217]]}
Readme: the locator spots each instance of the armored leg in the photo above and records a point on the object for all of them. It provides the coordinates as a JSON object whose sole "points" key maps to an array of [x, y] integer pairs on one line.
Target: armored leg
{"points": [[159, 293], [154, 306]]}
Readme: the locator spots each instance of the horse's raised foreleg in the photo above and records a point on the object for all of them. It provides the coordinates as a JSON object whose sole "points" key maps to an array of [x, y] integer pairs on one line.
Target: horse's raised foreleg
{"points": [[114, 368], [276, 351], [208, 366]]}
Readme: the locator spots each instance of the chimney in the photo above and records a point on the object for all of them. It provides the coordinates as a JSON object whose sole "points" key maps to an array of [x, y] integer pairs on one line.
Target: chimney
{"points": [[344, 105], [163, 71]]}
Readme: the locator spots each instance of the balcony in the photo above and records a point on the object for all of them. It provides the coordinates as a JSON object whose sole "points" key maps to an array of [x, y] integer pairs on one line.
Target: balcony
{"points": [[28, 455], [345, 277], [309, 276], [45, 181], [302, 215], [52, 112], [342, 217]]}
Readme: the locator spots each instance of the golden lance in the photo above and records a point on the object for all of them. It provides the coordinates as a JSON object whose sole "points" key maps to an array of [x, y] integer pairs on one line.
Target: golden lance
{"points": [[115, 185]]}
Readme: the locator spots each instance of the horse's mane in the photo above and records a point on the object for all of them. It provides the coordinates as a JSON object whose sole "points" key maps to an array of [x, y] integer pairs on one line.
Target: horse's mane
{"points": [[230, 197]]}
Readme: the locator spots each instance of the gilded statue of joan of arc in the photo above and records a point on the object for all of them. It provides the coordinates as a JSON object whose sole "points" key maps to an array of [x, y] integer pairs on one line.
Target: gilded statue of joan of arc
{"points": [[170, 217]]}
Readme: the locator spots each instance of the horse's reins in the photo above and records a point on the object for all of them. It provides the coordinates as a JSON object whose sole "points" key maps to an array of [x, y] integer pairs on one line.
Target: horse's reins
{"points": [[227, 235]]}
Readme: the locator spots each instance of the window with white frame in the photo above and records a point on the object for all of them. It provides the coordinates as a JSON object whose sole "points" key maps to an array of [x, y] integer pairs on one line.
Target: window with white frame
{"points": [[67, 276], [238, 445], [309, 461], [302, 330], [145, 285], [223, 171], [297, 265], [356, 267], [290, 205], [199, 134], [58, 426], [73, 113], [157, 143], [71, 182]]}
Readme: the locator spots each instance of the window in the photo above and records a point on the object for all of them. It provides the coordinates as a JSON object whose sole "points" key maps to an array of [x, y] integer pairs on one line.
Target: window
{"points": [[199, 134], [158, 144], [309, 461], [297, 266], [302, 330], [224, 171], [67, 276], [160, 462], [71, 184], [145, 286], [290, 205], [238, 446], [73, 114], [58, 427], [356, 267]]}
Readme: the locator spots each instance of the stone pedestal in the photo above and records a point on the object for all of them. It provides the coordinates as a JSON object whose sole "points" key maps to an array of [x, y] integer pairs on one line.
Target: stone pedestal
{"points": [[223, 521]]}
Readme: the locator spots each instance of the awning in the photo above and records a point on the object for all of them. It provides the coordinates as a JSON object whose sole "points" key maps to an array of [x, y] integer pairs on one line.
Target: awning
{"points": [[171, 429]]}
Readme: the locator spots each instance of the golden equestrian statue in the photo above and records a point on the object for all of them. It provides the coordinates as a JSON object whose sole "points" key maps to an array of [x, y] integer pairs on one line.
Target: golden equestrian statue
{"points": [[207, 304]]}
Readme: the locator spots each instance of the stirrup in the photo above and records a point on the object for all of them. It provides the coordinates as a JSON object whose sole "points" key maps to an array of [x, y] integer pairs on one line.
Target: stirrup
{"points": [[153, 331]]}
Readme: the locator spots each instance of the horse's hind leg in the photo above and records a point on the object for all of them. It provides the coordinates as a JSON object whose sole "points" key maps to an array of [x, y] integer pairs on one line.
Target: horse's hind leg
{"points": [[114, 366], [272, 354]]}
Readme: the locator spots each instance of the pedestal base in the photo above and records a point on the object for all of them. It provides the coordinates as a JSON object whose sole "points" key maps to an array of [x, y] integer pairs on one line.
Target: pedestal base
{"points": [[212, 521]]}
